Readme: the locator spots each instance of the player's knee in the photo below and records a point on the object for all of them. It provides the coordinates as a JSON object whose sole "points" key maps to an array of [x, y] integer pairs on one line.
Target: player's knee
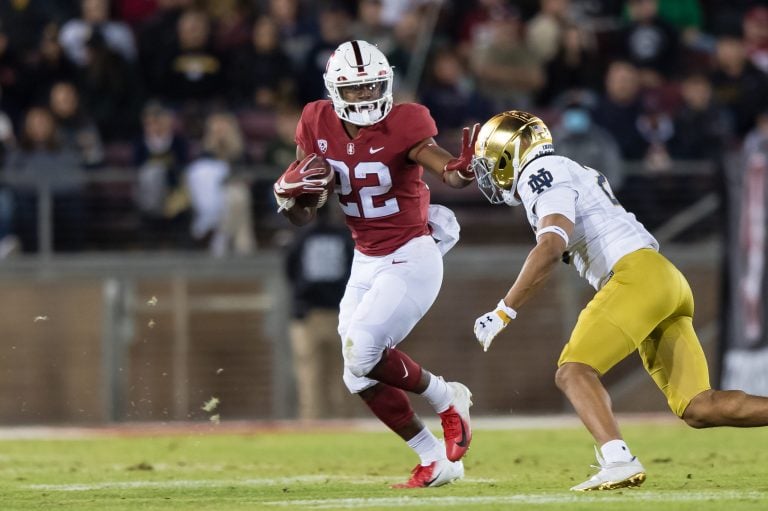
{"points": [[561, 376], [571, 372], [715, 408], [359, 370], [360, 353], [699, 413]]}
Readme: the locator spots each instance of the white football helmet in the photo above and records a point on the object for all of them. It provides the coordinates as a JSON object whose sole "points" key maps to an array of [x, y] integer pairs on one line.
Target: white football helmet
{"points": [[359, 72]]}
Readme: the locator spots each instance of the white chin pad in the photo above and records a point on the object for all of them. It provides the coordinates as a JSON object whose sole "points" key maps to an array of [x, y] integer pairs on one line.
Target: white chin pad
{"points": [[509, 198], [364, 118]]}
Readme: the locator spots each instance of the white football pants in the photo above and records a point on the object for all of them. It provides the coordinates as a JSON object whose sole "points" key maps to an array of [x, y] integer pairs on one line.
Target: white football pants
{"points": [[385, 297]]}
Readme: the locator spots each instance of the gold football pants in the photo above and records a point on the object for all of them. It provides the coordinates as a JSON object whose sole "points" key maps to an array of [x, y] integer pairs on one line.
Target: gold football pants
{"points": [[647, 305]]}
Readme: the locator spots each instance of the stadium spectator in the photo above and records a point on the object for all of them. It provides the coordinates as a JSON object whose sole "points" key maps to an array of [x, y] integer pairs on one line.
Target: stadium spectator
{"points": [[620, 108], [703, 129], [506, 70], [737, 84], [135, 12], [260, 74], [579, 138], [369, 26], [378, 150], [110, 91], [42, 163], [48, 66], [221, 204], [76, 128], [334, 29], [450, 95], [14, 97], [650, 43], [94, 18], [544, 32], [576, 65], [755, 26], [155, 35], [642, 303], [687, 17], [192, 71], [231, 22], [656, 127], [160, 155], [473, 20], [406, 34], [296, 26], [22, 22], [317, 266]]}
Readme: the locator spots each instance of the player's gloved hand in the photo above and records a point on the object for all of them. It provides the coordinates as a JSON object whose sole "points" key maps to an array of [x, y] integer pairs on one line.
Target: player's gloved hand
{"points": [[462, 164], [491, 323], [311, 175]]}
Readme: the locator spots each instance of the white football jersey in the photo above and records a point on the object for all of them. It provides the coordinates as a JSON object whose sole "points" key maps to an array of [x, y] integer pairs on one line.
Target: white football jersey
{"points": [[603, 231]]}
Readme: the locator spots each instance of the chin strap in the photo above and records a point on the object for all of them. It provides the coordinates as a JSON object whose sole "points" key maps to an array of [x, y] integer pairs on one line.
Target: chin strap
{"points": [[509, 198]]}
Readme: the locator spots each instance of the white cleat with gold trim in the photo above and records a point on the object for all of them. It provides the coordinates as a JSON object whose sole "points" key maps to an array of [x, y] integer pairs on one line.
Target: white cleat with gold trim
{"points": [[620, 474]]}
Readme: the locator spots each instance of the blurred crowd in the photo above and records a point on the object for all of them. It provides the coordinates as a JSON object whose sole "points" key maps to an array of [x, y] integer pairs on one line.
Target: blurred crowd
{"points": [[188, 93]]}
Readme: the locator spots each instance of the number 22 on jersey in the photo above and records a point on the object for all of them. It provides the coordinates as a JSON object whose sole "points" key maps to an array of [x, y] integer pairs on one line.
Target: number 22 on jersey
{"points": [[366, 208]]}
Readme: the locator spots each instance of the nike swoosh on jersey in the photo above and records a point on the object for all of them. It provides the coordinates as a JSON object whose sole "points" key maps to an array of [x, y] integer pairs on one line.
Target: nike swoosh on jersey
{"points": [[405, 369], [373, 150], [395, 261]]}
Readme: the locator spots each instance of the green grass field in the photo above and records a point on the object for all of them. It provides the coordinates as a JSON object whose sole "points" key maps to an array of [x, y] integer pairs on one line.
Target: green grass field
{"points": [[531, 469]]}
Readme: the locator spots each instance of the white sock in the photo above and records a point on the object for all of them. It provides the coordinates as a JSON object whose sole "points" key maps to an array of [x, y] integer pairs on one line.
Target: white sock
{"points": [[438, 394], [615, 451], [427, 446]]}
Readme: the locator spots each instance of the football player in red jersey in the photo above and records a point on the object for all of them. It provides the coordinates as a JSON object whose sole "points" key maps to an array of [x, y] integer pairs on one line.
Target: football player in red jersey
{"points": [[378, 152]]}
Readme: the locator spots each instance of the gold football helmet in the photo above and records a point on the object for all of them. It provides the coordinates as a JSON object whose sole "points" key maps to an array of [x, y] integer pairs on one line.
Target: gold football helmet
{"points": [[506, 144]]}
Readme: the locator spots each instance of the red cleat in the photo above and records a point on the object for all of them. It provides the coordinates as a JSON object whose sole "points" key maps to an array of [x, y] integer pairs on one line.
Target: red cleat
{"points": [[437, 473], [455, 420]]}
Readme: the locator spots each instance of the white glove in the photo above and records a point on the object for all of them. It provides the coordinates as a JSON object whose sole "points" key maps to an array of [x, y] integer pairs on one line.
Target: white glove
{"points": [[491, 323]]}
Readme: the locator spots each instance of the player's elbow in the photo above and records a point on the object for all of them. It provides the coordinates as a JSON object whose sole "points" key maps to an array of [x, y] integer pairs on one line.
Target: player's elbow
{"points": [[550, 248]]}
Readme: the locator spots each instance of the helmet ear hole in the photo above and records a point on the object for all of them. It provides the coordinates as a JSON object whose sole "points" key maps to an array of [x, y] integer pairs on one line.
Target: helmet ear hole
{"points": [[504, 159]]}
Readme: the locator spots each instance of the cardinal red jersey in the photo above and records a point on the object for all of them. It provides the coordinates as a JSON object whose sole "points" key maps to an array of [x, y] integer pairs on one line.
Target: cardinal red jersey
{"points": [[380, 189]]}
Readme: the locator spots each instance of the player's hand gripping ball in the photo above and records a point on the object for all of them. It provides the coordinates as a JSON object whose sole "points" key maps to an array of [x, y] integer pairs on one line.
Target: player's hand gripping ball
{"points": [[306, 183], [327, 177]]}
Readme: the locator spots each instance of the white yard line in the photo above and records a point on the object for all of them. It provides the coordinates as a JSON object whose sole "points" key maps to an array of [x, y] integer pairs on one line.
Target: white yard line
{"points": [[417, 500], [223, 483], [529, 499]]}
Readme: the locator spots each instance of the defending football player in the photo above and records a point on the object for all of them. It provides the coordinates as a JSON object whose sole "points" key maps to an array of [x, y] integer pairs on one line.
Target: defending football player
{"points": [[377, 151], [643, 303]]}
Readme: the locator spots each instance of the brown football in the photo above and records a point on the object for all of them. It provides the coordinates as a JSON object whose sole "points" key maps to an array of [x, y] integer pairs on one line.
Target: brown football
{"points": [[314, 199]]}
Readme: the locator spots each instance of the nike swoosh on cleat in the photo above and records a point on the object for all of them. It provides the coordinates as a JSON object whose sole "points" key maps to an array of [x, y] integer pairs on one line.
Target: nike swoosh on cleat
{"points": [[463, 442], [405, 369]]}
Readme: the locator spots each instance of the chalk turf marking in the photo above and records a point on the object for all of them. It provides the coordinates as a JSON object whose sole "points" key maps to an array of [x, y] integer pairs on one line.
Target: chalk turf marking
{"points": [[529, 499], [222, 483]]}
